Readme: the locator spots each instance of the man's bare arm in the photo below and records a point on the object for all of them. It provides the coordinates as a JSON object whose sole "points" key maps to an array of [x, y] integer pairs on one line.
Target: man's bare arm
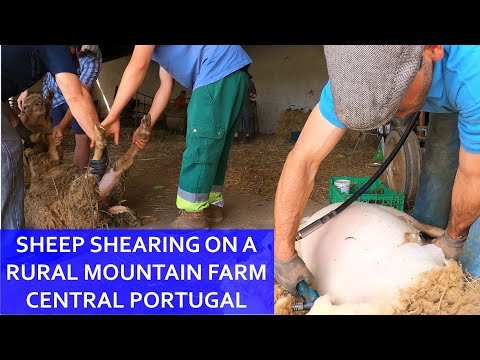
{"points": [[162, 96], [316, 141], [132, 78], [159, 104], [465, 195], [79, 101], [68, 117]]}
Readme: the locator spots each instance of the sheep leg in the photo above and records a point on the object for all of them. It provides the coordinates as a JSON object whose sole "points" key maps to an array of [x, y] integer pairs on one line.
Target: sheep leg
{"points": [[38, 138], [44, 142], [100, 142], [40, 144], [54, 152], [112, 177], [98, 152]]}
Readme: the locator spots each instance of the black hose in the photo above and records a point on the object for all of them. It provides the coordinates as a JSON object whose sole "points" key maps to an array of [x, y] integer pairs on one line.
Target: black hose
{"points": [[307, 230]]}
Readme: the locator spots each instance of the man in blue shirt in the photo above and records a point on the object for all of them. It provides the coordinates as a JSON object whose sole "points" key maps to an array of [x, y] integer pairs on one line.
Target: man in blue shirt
{"points": [[368, 86], [217, 74], [22, 67]]}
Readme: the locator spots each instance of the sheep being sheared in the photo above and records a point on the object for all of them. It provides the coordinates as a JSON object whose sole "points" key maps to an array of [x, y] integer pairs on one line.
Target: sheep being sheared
{"points": [[60, 196], [35, 115], [372, 259]]}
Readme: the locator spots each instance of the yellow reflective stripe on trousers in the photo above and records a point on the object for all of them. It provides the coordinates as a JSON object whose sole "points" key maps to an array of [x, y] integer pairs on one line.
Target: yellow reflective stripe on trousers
{"points": [[216, 198], [190, 206]]}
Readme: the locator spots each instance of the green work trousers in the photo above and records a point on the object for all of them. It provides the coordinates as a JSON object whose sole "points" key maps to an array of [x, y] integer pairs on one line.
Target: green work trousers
{"points": [[213, 114]]}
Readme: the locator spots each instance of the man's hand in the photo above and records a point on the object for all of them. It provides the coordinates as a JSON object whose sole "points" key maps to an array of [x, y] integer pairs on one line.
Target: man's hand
{"points": [[132, 78], [21, 99], [57, 135], [290, 272], [140, 143], [112, 127], [451, 248]]}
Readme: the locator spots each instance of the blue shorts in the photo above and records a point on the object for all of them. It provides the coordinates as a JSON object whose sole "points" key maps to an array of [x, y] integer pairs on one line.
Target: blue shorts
{"points": [[57, 114]]}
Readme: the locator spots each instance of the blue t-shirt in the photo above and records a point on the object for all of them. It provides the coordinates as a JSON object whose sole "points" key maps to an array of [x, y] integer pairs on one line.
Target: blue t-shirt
{"points": [[455, 88], [194, 66], [24, 65]]}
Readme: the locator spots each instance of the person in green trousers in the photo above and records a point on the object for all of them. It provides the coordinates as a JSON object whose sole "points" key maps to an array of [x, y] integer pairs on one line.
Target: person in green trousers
{"points": [[218, 76]]}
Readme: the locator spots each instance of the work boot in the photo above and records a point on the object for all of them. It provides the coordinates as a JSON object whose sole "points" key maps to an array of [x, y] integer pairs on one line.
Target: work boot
{"points": [[190, 220], [214, 213]]}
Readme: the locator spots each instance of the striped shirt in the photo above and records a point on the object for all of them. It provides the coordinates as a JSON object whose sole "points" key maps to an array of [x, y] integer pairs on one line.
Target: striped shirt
{"points": [[88, 71]]}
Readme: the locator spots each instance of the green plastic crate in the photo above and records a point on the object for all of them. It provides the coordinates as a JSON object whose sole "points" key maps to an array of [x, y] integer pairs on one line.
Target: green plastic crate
{"points": [[378, 193]]}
